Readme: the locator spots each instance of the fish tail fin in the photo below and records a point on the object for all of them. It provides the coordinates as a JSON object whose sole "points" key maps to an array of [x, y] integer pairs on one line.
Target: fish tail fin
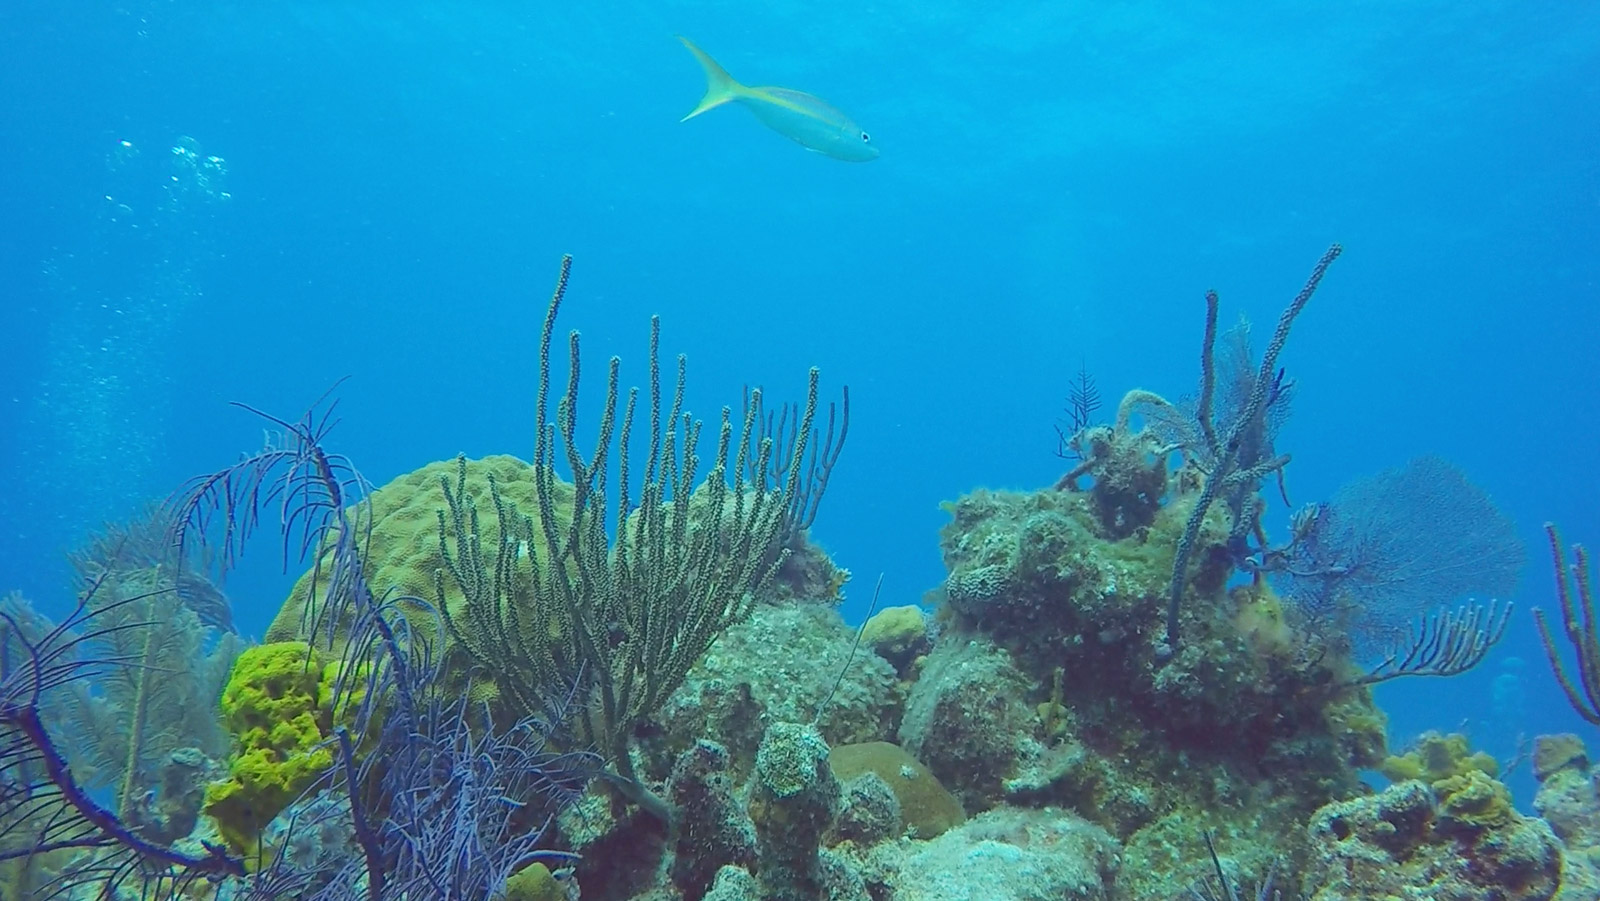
{"points": [[720, 86]]}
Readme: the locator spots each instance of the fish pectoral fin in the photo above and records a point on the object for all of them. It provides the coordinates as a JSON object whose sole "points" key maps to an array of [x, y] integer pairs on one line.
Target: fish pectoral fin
{"points": [[720, 86]]}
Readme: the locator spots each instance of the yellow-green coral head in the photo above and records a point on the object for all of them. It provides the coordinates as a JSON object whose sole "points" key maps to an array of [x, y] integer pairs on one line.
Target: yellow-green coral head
{"points": [[809, 121], [536, 882]]}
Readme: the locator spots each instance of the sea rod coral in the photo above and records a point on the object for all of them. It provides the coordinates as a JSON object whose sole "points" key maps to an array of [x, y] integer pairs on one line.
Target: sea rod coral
{"points": [[1225, 435], [634, 589]]}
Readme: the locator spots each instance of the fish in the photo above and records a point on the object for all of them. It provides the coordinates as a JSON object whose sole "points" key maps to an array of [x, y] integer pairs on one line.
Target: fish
{"points": [[809, 121]]}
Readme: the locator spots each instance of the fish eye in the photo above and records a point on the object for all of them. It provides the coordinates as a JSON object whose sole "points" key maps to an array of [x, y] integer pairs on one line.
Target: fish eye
{"points": [[865, 137]]}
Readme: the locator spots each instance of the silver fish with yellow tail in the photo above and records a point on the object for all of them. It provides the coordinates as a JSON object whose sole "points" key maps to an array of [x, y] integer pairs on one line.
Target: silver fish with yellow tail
{"points": [[809, 121]]}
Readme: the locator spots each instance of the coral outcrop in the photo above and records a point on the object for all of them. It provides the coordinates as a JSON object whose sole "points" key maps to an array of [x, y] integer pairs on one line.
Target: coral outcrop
{"points": [[712, 828], [794, 796], [1409, 842], [1048, 686], [963, 719], [778, 666], [1006, 855], [922, 803], [1569, 800], [899, 635], [277, 707]]}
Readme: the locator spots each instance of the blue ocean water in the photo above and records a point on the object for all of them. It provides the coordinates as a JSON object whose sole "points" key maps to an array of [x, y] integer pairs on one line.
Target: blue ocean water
{"points": [[202, 203]]}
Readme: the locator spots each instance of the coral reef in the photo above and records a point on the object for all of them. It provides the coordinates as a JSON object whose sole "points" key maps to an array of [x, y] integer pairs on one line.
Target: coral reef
{"points": [[1407, 842], [1042, 735], [437, 806]]}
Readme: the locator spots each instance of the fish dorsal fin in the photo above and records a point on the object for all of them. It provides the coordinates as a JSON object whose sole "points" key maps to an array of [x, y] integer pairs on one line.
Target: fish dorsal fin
{"points": [[720, 86]]}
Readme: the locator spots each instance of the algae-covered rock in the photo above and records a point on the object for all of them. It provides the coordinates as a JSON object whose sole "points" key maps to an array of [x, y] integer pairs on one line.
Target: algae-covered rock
{"points": [[794, 796], [1399, 844], [1008, 855], [964, 717], [778, 666]]}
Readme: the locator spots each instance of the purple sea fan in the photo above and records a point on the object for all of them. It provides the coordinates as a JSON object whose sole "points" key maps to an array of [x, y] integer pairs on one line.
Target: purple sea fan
{"points": [[1390, 548], [470, 806]]}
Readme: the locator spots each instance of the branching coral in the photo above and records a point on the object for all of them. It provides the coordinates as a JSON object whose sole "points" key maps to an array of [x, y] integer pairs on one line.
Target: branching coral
{"points": [[128, 724], [1575, 593], [1227, 436], [782, 428], [138, 556], [1235, 453], [136, 726], [555, 603]]}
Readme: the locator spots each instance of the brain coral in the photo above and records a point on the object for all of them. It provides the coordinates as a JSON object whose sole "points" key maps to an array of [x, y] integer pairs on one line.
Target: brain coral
{"points": [[928, 808], [404, 553]]}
